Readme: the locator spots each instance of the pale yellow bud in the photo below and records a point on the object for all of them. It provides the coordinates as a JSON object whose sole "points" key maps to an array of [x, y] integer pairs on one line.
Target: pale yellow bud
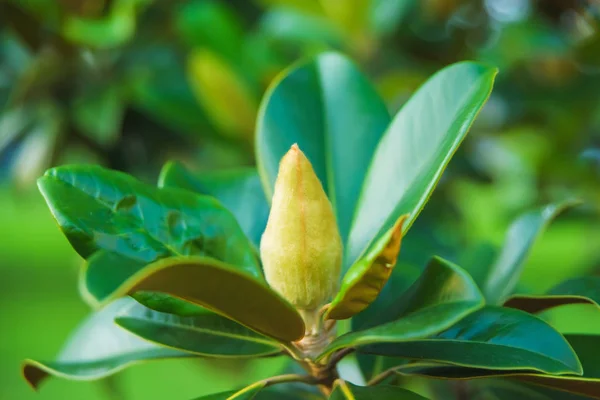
{"points": [[301, 248]]}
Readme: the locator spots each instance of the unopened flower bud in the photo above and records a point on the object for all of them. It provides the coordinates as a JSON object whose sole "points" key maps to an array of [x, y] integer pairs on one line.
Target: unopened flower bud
{"points": [[301, 248]]}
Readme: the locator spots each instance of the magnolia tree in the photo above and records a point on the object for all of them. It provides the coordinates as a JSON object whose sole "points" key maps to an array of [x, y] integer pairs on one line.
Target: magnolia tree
{"points": [[268, 262]]}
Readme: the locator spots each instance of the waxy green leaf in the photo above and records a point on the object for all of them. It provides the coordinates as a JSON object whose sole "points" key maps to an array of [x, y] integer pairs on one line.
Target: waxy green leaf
{"points": [[414, 151], [347, 391], [492, 338], [240, 191], [209, 283], [206, 334], [506, 271], [335, 116], [98, 348], [586, 347], [439, 298], [101, 209], [584, 290], [366, 278]]}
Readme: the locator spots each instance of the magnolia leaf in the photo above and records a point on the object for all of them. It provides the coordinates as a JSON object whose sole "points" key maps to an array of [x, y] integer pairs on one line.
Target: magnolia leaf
{"points": [[586, 347], [206, 334], [442, 296], [223, 93], [347, 391], [522, 234], [209, 283], [98, 348], [414, 151], [239, 190], [585, 290], [335, 116], [367, 277], [492, 338]]}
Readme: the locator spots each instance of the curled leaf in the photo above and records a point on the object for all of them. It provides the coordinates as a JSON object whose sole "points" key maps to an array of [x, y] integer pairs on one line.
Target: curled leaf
{"points": [[365, 279]]}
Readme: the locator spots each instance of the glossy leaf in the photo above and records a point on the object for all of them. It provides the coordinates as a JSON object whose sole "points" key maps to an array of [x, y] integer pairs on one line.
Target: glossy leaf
{"points": [[506, 271], [367, 277], [209, 283], [347, 391], [414, 151], [584, 290], [136, 224], [492, 338], [256, 391], [335, 116], [240, 191], [98, 348], [206, 334], [439, 298], [586, 347]]}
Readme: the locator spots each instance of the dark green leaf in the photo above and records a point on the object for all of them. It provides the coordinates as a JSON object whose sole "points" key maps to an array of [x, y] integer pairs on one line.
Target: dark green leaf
{"points": [[98, 348], [414, 151], [367, 277], [585, 290], [335, 116], [586, 347], [439, 298], [347, 391], [493, 338], [240, 191], [207, 334], [506, 271], [209, 283]]}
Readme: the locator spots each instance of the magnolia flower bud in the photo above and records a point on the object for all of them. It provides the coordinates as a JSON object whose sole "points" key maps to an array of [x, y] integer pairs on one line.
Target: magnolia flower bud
{"points": [[301, 248]]}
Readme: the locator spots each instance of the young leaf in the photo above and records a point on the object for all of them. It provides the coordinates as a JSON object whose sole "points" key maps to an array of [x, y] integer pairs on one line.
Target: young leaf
{"points": [[439, 298], [367, 277], [347, 391], [335, 116], [209, 283], [492, 338], [584, 290], [506, 271], [240, 191], [415, 150], [206, 334], [586, 347], [98, 348]]}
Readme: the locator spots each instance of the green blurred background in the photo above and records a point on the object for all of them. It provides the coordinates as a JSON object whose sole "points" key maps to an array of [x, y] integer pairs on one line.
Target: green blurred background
{"points": [[130, 84]]}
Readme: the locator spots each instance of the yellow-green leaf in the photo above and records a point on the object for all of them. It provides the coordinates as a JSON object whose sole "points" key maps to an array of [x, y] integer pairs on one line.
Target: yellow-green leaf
{"points": [[365, 279]]}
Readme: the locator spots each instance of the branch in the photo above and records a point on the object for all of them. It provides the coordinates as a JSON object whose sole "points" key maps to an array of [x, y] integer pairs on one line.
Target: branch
{"points": [[337, 357]]}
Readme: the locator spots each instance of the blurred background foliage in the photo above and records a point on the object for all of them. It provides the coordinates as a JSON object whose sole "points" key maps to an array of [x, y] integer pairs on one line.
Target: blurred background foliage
{"points": [[130, 84]]}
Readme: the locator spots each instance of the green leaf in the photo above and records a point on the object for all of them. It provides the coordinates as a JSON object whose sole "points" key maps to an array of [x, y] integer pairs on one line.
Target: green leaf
{"points": [[209, 283], [493, 338], [137, 224], [225, 96], [98, 348], [240, 191], [335, 116], [506, 271], [439, 298], [414, 151], [584, 290], [113, 30], [586, 347], [98, 114], [367, 277], [347, 391], [206, 334]]}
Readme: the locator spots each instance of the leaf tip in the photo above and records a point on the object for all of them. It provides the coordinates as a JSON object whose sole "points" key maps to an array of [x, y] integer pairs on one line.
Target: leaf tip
{"points": [[33, 374]]}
